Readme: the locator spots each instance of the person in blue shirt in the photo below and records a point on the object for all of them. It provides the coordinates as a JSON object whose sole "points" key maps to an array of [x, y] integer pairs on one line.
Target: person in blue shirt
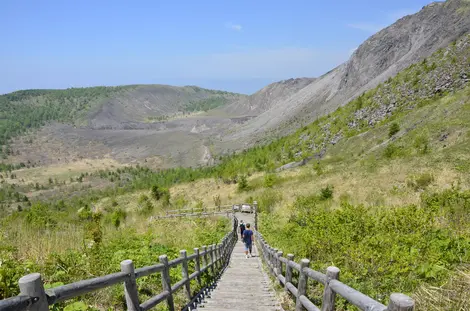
{"points": [[248, 240]]}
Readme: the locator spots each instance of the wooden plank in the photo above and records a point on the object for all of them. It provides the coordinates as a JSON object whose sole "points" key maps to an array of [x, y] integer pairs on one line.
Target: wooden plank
{"points": [[355, 297], [31, 286], [177, 286], [290, 257], [329, 296], [197, 265], [175, 262], [79, 288], [205, 254], [307, 304], [400, 302], [16, 303], [144, 271], [152, 302], [294, 265], [212, 264], [185, 273], [130, 286], [302, 286], [292, 288], [166, 282], [315, 275]]}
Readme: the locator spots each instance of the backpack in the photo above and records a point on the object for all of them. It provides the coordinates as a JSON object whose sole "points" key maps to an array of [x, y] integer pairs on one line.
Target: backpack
{"points": [[242, 227]]}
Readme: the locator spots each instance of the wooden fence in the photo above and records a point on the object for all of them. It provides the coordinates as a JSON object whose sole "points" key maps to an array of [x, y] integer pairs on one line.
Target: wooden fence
{"points": [[196, 212], [281, 268], [212, 259]]}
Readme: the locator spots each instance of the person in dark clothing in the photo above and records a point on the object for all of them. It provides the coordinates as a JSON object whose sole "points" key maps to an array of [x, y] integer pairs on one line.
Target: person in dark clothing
{"points": [[242, 228], [248, 238]]}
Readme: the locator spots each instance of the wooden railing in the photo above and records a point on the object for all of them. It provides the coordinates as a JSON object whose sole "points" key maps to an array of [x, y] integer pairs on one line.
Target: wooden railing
{"points": [[212, 259], [282, 267], [197, 212]]}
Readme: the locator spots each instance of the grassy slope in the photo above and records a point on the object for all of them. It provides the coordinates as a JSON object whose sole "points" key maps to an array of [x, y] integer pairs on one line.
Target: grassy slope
{"points": [[29, 109], [364, 167]]}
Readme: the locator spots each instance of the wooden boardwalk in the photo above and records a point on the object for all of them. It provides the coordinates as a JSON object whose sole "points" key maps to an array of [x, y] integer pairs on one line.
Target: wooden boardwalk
{"points": [[244, 285]]}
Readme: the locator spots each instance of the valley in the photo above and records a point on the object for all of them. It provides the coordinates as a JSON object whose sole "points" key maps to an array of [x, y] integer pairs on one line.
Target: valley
{"points": [[365, 167]]}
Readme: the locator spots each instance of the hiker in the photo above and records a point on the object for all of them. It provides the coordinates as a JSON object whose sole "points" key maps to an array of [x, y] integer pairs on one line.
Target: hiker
{"points": [[248, 238], [242, 228]]}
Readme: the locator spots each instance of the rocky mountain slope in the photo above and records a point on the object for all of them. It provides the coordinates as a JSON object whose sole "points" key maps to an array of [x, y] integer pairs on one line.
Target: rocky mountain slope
{"points": [[144, 103], [267, 97], [135, 123], [383, 55]]}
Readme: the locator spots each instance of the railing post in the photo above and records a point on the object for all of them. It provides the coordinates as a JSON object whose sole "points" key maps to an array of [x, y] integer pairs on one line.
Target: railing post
{"points": [[224, 251], [302, 287], [31, 285], [130, 286], [185, 272], [166, 282], [400, 302], [328, 304], [290, 257], [206, 261], [216, 258], [198, 265], [211, 253], [255, 206], [273, 261], [279, 263]]}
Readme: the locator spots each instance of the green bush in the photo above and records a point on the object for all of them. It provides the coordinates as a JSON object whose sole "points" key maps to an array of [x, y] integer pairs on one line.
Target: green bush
{"points": [[269, 180], [243, 184], [392, 151], [421, 144], [268, 199], [381, 250], [393, 129], [420, 182], [326, 193]]}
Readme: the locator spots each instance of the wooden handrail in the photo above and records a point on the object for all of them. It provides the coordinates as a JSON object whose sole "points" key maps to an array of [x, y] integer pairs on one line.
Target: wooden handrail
{"points": [[33, 297], [275, 263]]}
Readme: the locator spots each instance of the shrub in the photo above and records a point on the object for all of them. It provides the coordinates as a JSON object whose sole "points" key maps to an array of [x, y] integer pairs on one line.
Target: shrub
{"points": [[388, 249], [392, 151], [269, 180], [143, 199], [268, 199], [393, 129], [421, 144], [317, 167], [420, 182], [217, 200], [326, 193], [117, 216], [243, 183]]}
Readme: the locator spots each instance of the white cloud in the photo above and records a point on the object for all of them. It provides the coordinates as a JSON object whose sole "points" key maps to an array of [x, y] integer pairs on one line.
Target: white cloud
{"points": [[235, 27]]}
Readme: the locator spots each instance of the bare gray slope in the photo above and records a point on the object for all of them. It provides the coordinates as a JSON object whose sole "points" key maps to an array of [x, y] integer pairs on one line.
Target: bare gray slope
{"points": [[383, 55], [265, 98], [140, 103]]}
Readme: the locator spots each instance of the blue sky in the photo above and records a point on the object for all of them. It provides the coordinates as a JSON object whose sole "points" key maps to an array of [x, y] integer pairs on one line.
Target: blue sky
{"points": [[232, 45]]}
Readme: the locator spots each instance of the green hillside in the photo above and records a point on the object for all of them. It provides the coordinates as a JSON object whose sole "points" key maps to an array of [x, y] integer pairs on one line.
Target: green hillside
{"points": [[22, 111], [382, 193]]}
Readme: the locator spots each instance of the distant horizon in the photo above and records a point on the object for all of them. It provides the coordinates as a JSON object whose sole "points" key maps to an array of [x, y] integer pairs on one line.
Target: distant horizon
{"points": [[236, 46]]}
